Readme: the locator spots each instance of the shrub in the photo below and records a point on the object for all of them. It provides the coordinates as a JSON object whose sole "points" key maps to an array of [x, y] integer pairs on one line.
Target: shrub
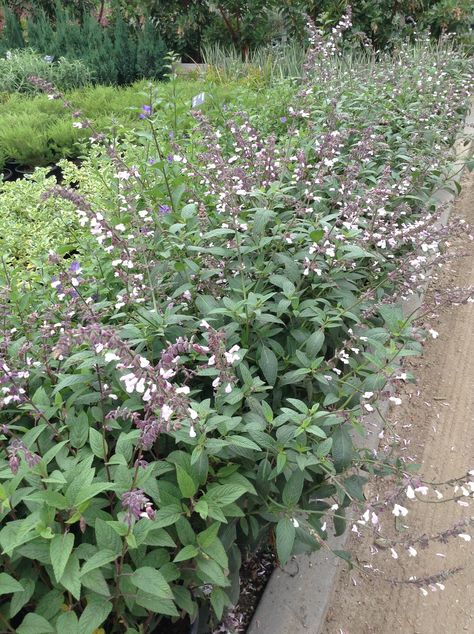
{"points": [[187, 386], [11, 35], [31, 226], [16, 69], [109, 53]]}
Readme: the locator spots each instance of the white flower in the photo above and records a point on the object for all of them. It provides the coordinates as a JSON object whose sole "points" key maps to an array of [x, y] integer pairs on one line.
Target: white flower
{"points": [[144, 363], [368, 407], [399, 511], [192, 432], [410, 492], [465, 536], [216, 382], [211, 360], [123, 176], [412, 552], [424, 592], [120, 227], [231, 356], [395, 400], [111, 356], [334, 507], [183, 390], [193, 413], [228, 388], [423, 490], [99, 347], [295, 522], [433, 333], [77, 124], [55, 284], [367, 395], [394, 553], [204, 324], [323, 527], [166, 412]]}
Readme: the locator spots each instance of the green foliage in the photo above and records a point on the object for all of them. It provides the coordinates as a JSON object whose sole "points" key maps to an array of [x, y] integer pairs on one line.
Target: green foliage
{"points": [[20, 65], [188, 385], [11, 36], [151, 53], [118, 53], [30, 226]]}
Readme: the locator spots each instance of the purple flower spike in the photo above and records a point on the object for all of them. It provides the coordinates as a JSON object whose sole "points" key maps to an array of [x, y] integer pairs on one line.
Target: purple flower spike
{"points": [[146, 112], [75, 267], [164, 209], [283, 119], [170, 158]]}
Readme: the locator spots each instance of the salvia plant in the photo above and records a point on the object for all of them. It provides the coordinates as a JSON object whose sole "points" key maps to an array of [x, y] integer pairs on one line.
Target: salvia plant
{"points": [[189, 384]]}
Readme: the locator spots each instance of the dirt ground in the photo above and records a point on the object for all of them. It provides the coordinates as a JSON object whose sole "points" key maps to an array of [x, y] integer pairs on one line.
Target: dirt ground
{"points": [[436, 425]]}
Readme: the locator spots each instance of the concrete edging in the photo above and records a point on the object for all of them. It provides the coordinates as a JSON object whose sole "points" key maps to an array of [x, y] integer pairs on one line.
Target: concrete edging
{"points": [[297, 596]]}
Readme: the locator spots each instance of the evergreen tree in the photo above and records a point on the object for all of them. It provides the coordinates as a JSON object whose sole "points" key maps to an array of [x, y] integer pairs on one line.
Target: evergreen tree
{"points": [[40, 33], [125, 52], [151, 51], [12, 35]]}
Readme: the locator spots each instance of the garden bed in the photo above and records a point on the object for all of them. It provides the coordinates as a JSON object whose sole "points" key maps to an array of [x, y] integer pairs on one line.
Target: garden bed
{"points": [[186, 388]]}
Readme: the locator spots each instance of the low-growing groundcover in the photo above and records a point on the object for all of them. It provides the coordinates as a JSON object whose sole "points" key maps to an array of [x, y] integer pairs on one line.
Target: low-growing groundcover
{"points": [[185, 388]]}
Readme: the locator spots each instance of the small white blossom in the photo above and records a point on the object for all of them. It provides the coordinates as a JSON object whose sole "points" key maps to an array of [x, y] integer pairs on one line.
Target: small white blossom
{"points": [[399, 511]]}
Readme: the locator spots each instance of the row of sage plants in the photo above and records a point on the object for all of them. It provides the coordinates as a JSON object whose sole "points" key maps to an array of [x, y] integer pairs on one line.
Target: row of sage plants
{"points": [[186, 386]]}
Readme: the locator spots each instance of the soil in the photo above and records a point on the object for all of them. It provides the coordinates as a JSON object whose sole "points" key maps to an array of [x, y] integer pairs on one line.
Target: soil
{"points": [[434, 426]]}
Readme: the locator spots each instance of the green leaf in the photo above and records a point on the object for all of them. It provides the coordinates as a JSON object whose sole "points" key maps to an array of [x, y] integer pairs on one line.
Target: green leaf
{"points": [[152, 581], [34, 624], [293, 489], [69, 380], [60, 548], [9, 584], [216, 551], [285, 539], [209, 571], [268, 364], [155, 604], [341, 448], [243, 441], [314, 344], [106, 537], [94, 615], [206, 537], [90, 491], [167, 516], [67, 623], [187, 485], [339, 521], [97, 443], [19, 599], [102, 558], [79, 430], [188, 552], [219, 600], [70, 578], [95, 580], [223, 494]]}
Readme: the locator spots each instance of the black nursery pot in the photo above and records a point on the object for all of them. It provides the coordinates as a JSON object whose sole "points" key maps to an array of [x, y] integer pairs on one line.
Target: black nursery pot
{"points": [[7, 174]]}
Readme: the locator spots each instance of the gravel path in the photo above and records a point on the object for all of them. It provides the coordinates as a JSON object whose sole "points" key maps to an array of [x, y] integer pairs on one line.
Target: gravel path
{"points": [[436, 422]]}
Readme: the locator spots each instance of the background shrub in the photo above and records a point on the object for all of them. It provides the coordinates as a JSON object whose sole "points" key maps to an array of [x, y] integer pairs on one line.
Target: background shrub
{"points": [[31, 226], [21, 64]]}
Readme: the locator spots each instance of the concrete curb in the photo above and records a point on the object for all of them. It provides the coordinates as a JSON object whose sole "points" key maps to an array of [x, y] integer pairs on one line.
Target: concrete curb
{"points": [[297, 597]]}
